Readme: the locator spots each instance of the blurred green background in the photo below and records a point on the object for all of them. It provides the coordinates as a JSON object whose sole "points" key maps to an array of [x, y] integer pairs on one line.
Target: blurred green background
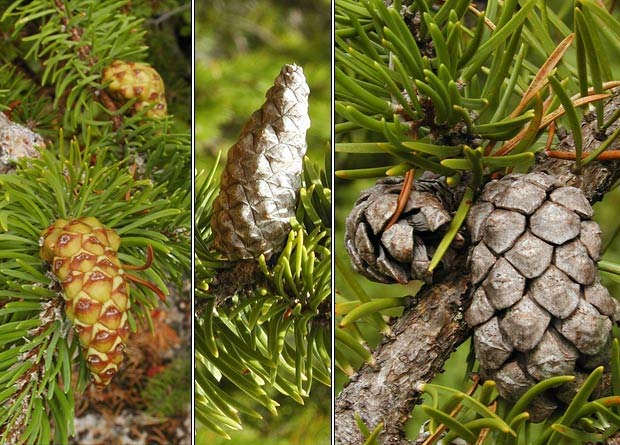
{"points": [[240, 48]]}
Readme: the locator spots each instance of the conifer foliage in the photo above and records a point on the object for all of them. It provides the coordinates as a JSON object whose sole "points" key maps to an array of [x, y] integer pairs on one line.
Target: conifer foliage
{"points": [[461, 94], [107, 191], [263, 300]]}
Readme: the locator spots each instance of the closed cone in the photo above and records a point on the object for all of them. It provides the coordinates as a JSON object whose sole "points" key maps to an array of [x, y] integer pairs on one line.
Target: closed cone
{"points": [[138, 80], [261, 180], [539, 309], [83, 256]]}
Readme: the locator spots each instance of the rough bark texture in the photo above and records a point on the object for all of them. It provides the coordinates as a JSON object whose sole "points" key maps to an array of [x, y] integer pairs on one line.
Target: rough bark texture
{"points": [[613, 440], [426, 333], [423, 339]]}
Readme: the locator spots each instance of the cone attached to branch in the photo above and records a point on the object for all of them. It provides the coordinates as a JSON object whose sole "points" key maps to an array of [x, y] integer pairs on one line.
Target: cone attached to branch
{"points": [[83, 256], [539, 308], [131, 80], [262, 177], [401, 252]]}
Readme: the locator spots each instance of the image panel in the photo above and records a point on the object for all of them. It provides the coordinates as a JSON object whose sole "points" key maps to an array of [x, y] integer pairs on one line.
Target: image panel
{"points": [[263, 222], [476, 223], [95, 231]]}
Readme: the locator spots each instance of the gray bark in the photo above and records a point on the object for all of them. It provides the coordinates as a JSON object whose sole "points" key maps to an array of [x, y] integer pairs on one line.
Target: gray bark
{"points": [[423, 339]]}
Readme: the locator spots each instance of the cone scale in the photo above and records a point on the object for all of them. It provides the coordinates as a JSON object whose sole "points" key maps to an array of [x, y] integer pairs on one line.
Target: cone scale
{"points": [[261, 180], [129, 80], [539, 309], [402, 252], [83, 256]]}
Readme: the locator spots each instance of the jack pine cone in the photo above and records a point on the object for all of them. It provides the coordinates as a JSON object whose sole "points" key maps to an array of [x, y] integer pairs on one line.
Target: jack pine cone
{"points": [[539, 308], [83, 256], [403, 252], [138, 80], [262, 177]]}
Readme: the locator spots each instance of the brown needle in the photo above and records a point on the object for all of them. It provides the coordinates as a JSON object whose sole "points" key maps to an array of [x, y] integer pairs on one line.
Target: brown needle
{"points": [[550, 136], [146, 265], [403, 197], [148, 284], [485, 431], [609, 155]]}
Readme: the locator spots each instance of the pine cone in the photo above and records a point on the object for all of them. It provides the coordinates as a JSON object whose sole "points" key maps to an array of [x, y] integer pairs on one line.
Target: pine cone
{"points": [[262, 177], [83, 255], [403, 252], [16, 142], [539, 309], [138, 80]]}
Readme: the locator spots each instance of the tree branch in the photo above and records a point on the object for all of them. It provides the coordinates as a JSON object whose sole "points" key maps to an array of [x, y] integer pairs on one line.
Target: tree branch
{"points": [[427, 333], [423, 339]]}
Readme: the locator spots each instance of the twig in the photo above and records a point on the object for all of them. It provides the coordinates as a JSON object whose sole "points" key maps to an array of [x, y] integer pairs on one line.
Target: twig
{"points": [[169, 14], [107, 102]]}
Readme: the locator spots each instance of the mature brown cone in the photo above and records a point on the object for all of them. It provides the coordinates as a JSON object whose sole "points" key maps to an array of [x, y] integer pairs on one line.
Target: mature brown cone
{"points": [[539, 309], [260, 183], [138, 80], [403, 252], [83, 255]]}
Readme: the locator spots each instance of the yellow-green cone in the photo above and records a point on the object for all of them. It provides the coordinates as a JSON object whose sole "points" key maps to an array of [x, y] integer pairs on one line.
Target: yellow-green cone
{"points": [[83, 255], [139, 80]]}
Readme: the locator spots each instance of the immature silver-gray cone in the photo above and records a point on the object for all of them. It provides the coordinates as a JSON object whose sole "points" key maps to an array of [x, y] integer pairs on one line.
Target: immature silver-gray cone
{"points": [[261, 180], [402, 252], [539, 309]]}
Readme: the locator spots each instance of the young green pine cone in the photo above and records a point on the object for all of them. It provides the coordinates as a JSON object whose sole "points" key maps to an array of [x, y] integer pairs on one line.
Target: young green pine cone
{"points": [[262, 177], [402, 252], [138, 80], [83, 256], [539, 309]]}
